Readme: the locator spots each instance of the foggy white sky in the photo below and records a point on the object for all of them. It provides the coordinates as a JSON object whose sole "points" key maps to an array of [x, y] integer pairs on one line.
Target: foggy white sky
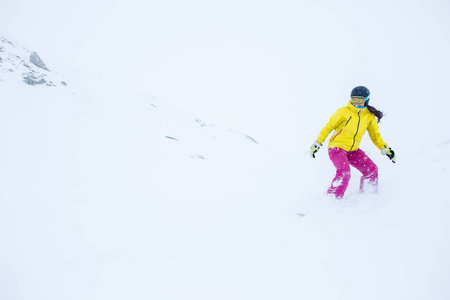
{"points": [[250, 64]]}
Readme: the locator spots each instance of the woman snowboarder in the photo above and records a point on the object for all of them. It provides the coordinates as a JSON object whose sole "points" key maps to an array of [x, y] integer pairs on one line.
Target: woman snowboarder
{"points": [[349, 124]]}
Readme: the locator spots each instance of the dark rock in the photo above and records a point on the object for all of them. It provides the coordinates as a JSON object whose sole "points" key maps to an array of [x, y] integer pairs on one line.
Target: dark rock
{"points": [[31, 79], [37, 61], [171, 138], [251, 139], [200, 122], [6, 41]]}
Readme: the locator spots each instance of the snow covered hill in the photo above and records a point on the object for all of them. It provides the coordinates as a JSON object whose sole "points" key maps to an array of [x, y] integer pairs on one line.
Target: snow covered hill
{"points": [[109, 194], [18, 63]]}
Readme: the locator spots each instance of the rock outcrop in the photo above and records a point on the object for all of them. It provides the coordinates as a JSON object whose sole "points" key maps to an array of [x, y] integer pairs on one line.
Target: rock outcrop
{"points": [[18, 63], [37, 61]]}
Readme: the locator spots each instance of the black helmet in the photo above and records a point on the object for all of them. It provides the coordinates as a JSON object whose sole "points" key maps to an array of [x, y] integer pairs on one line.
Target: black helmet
{"points": [[362, 92]]}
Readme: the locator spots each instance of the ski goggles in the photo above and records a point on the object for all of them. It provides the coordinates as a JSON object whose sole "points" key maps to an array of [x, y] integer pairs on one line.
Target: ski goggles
{"points": [[359, 100]]}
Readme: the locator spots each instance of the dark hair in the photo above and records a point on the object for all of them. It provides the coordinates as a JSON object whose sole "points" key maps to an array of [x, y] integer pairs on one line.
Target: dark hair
{"points": [[378, 114]]}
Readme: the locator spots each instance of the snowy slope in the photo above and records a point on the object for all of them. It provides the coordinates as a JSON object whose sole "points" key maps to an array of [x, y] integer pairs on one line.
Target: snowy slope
{"points": [[110, 194], [20, 64]]}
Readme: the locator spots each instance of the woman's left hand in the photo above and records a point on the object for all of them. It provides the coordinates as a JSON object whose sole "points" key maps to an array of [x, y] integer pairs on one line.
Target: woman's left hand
{"points": [[389, 153]]}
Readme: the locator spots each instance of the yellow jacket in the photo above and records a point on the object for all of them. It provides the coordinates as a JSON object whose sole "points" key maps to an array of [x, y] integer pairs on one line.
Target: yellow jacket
{"points": [[349, 124]]}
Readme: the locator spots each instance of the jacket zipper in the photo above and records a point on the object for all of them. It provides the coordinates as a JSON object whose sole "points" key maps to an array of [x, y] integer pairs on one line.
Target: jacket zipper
{"points": [[348, 121], [357, 129]]}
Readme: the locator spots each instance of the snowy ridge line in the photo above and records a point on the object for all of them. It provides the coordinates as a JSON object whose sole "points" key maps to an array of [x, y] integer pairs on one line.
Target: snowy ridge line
{"points": [[178, 120], [18, 63]]}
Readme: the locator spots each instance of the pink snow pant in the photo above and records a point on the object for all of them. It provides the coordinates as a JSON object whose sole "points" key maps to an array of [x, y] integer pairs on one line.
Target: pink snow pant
{"points": [[342, 160]]}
